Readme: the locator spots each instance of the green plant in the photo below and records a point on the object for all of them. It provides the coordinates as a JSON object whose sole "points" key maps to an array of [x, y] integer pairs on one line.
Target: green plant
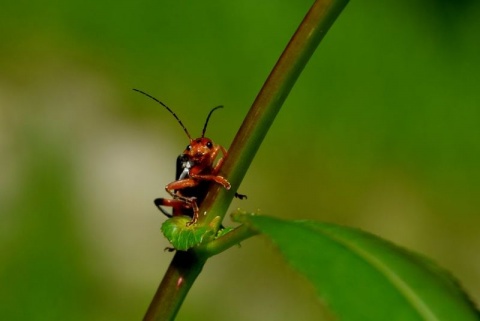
{"points": [[359, 275]]}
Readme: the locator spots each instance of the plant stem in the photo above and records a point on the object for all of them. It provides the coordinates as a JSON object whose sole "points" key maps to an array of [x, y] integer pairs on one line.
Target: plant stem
{"points": [[311, 31], [186, 266], [176, 283], [240, 233]]}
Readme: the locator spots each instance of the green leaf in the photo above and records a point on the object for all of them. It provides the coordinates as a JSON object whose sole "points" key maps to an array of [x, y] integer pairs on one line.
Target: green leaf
{"points": [[183, 237], [363, 277], [223, 231]]}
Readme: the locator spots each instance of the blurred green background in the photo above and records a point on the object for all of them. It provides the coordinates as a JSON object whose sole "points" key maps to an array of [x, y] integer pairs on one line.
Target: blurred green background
{"points": [[381, 132]]}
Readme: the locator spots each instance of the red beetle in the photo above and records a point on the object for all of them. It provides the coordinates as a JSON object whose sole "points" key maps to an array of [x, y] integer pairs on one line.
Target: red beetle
{"points": [[196, 170]]}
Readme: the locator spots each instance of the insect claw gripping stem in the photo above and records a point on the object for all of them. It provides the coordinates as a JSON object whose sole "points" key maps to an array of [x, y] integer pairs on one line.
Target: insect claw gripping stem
{"points": [[240, 196]]}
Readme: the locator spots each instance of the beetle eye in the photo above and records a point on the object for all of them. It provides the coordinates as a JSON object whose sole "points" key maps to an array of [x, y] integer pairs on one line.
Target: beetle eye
{"points": [[189, 147], [209, 145]]}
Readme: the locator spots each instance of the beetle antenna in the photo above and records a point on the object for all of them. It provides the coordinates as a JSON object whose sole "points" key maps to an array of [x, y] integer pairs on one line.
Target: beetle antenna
{"points": [[168, 108], [208, 118]]}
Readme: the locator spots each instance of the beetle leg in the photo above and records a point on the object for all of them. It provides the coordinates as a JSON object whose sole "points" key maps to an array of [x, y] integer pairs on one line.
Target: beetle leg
{"points": [[240, 196], [216, 178], [219, 164], [180, 184], [191, 201], [191, 182]]}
